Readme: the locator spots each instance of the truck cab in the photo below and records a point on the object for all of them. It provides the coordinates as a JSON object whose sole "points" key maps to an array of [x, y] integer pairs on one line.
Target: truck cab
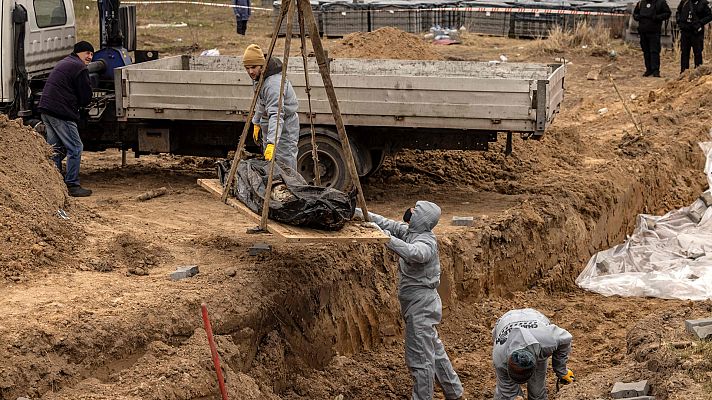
{"points": [[34, 35]]}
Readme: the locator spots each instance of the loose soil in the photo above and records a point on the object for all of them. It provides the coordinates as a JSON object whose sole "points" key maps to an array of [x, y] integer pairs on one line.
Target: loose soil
{"points": [[100, 319], [385, 43]]}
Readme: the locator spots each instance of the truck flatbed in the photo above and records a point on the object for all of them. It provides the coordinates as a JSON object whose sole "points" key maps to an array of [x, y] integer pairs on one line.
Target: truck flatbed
{"points": [[454, 95]]}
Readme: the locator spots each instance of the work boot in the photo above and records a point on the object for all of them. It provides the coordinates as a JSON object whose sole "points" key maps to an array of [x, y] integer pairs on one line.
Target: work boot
{"points": [[78, 191], [656, 74], [647, 73]]}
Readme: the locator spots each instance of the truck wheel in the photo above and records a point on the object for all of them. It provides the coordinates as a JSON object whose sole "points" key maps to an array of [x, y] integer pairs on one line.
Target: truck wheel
{"points": [[378, 157], [332, 164]]}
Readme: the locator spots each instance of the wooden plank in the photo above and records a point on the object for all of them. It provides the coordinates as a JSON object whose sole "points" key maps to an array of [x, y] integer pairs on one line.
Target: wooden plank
{"points": [[192, 93], [381, 82], [411, 109], [444, 123], [352, 231]]}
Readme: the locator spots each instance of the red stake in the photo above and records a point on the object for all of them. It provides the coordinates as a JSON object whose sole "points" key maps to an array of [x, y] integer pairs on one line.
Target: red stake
{"points": [[213, 350]]}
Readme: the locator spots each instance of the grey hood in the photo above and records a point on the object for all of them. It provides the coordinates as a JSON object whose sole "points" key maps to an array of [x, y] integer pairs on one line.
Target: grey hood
{"points": [[531, 330], [425, 217], [274, 67], [417, 246]]}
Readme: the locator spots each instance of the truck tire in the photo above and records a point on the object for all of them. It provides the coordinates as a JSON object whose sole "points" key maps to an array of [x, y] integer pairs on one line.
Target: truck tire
{"points": [[332, 166], [378, 157], [332, 162]]}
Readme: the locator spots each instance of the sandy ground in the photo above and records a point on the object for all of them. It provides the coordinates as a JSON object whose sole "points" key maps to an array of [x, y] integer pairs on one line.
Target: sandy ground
{"points": [[88, 312]]}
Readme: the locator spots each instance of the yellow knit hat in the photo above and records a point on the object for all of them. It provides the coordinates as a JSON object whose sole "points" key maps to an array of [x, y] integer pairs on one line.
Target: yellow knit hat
{"points": [[253, 56]]}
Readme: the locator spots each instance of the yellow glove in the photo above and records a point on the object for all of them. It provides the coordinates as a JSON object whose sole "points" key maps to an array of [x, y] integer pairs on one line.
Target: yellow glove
{"points": [[269, 151], [568, 378], [256, 134]]}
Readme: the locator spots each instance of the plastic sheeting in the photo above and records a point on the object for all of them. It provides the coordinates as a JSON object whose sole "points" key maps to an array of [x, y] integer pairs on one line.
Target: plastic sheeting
{"points": [[668, 257], [292, 200]]}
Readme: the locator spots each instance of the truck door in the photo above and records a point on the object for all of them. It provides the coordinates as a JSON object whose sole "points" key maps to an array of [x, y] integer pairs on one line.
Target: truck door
{"points": [[50, 34]]}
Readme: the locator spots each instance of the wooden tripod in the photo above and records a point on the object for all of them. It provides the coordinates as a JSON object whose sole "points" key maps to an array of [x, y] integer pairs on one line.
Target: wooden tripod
{"points": [[306, 22]]}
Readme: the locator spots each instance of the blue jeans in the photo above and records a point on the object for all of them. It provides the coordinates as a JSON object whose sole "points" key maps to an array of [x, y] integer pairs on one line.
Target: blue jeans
{"points": [[64, 138]]}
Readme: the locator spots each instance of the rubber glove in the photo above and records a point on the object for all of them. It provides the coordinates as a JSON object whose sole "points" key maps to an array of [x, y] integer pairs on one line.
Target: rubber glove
{"points": [[269, 152], [256, 134], [375, 226], [568, 378]]}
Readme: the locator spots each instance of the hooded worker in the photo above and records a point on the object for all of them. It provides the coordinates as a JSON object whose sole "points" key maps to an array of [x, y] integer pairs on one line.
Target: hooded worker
{"points": [[281, 144], [523, 342], [419, 277]]}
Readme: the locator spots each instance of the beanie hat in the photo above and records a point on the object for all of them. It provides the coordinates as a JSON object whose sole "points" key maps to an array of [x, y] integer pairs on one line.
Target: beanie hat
{"points": [[83, 46], [253, 56], [521, 365]]}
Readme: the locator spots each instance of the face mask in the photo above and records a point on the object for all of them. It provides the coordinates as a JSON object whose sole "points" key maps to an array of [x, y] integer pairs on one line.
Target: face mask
{"points": [[407, 215]]}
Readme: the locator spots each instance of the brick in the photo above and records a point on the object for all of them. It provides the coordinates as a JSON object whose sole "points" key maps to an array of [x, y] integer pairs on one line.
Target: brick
{"points": [[697, 210], [184, 272], [707, 198], [463, 221], [259, 248], [703, 332], [632, 389], [690, 324]]}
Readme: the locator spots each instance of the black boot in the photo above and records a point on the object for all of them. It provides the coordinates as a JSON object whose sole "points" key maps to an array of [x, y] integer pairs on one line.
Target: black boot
{"points": [[78, 191]]}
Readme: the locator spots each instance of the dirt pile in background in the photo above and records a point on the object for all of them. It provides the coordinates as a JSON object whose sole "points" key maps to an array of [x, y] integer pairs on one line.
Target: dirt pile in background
{"points": [[32, 235], [385, 43]]}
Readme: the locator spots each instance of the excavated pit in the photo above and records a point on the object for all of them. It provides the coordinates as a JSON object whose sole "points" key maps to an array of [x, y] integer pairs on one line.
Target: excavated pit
{"points": [[316, 321]]}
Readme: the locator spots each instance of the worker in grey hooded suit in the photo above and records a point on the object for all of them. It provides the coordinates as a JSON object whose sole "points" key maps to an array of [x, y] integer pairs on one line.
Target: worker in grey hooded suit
{"points": [[421, 308], [523, 342]]}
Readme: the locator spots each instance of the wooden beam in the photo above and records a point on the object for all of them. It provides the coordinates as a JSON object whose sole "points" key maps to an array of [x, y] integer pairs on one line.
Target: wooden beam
{"points": [[243, 137], [310, 21]]}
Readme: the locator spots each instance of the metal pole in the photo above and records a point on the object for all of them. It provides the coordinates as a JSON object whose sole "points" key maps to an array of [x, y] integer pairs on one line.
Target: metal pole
{"points": [[322, 61], [213, 350]]}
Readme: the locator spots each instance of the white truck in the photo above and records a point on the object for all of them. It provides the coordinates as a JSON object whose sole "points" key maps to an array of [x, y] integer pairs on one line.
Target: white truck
{"points": [[197, 105]]}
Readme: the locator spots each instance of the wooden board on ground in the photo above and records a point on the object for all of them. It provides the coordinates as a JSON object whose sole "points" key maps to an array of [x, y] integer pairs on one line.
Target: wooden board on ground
{"points": [[351, 232]]}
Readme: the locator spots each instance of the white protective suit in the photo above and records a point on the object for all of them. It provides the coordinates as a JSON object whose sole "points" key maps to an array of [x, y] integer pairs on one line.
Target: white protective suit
{"points": [[421, 308], [531, 330]]}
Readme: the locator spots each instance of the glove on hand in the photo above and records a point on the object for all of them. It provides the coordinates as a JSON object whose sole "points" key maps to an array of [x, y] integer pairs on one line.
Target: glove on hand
{"points": [[374, 226], [568, 378], [256, 134], [358, 214], [269, 152]]}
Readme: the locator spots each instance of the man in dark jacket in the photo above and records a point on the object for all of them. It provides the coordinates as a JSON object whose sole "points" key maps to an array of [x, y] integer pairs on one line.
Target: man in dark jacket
{"points": [[650, 15], [692, 16], [67, 89], [242, 15]]}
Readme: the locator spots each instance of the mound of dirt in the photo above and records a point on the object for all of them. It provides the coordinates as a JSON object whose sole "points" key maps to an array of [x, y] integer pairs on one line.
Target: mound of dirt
{"points": [[32, 192], [385, 43]]}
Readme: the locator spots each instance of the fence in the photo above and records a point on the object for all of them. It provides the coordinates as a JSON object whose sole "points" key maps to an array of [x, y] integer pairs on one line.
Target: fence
{"points": [[523, 18]]}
